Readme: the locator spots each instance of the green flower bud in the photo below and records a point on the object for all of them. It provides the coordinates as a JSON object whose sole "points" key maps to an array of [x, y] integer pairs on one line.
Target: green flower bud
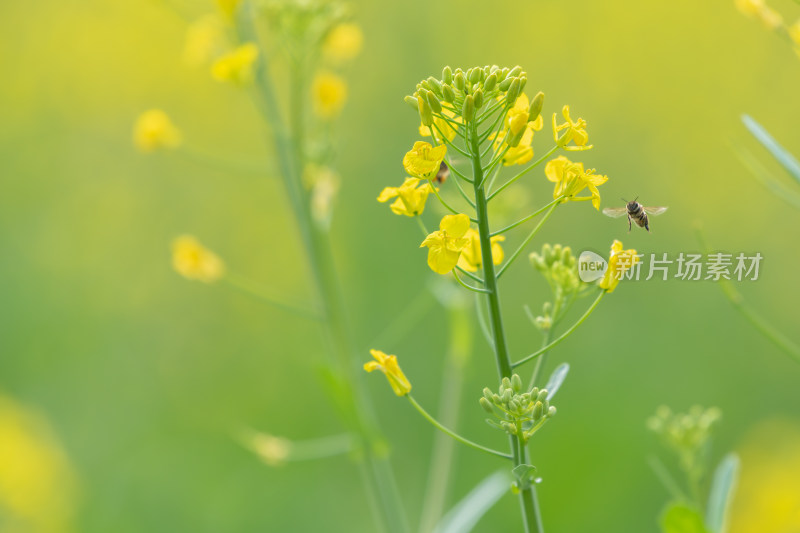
{"points": [[542, 395], [496, 399], [513, 92], [493, 69], [412, 101], [448, 94], [509, 427], [536, 106], [551, 412], [434, 102], [447, 75], [487, 393], [425, 112], [507, 395], [490, 83], [458, 81], [513, 405], [516, 71], [478, 96], [538, 410], [505, 84], [516, 383], [468, 111], [435, 85], [506, 383], [424, 85], [522, 81], [474, 75], [487, 405], [535, 392]]}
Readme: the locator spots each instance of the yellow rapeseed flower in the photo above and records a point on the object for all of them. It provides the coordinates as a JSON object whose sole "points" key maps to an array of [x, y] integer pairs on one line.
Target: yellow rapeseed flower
{"points": [[410, 197], [37, 483], [446, 244], [343, 42], [329, 93], [236, 66], [204, 38], [570, 179], [471, 259], [153, 130], [388, 365], [575, 131], [618, 262], [448, 129], [423, 160], [192, 260], [517, 128], [760, 11]]}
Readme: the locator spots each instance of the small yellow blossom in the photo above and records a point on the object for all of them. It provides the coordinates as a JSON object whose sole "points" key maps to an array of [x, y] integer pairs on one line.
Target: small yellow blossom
{"points": [[329, 93], [410, 197], [441, 125], [153, 130], [471, 258], [446, 244], [236, 66], [517, 127], [228, 7], [343, 43], [750, 8], [423, 160], [194, 261], [570, 179], [204, 38], [388, 365], [575, 131], [274, 451], [618, 262]]}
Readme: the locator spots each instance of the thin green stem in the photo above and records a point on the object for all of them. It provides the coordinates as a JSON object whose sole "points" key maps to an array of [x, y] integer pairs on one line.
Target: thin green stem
{"points": [[527, 240], [565, 335], [455, 171], [527, 218], [448, 142], [469, 274], [453, 434], [464, 194], [469, 287], [666, 479], [548, 333], [522, 173], [247, 287]]}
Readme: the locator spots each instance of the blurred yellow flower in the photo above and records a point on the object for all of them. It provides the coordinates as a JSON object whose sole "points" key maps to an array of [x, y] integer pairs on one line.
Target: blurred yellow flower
{"points": [[794, 32], [767, 498], [194, 261], [228, 7], [618, 262], [410, 198], [575, 131], [37, 483], [449, 130], [388, 365], [153, 130], [204, 38], [423, 160], [343, 42], [470, 259], [236, 66], [329, 93], [273, 450], [446, 244], [570, 179]]}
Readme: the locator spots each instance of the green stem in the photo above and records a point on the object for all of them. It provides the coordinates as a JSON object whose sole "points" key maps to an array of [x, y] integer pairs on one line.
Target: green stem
{"points": [[469, 287], [503, 360], [527, 240], [378, 476], [452, 433], [518, 176], [565, 335], [527, 218], [540, 362], [247, 287]]}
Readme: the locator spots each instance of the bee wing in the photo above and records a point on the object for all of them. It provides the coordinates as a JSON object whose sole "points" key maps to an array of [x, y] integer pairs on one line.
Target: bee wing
{"points": [[615, 211], [654, 211]]}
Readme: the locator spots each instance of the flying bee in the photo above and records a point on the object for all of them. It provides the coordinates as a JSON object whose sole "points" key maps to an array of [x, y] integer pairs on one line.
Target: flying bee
{"points": [[442, 175], [636, 212]]}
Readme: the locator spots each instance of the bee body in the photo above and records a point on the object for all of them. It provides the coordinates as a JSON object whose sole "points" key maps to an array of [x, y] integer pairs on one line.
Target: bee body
{"points": [[636, 212]]}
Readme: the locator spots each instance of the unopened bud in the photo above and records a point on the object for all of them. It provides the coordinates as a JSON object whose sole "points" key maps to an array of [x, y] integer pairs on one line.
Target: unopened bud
{"points": [[474, 75], [478, 96], [459, 82], [448, 93], [412, 101], [490, 83], [542, 395], [516, 71], [435, 85], [513, 406], [552, 411], [507, 395], [468, 111], [536, 106], [425, 112], [487, 393], [513, 92], [487, 405], [522, 81], [434, 102], [447, 75], [538, 410], [505, 84], [516, 383], [506, 383]]}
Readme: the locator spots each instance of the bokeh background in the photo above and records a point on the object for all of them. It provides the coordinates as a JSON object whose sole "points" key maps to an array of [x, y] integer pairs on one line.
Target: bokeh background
{"points": [[135, 380]]}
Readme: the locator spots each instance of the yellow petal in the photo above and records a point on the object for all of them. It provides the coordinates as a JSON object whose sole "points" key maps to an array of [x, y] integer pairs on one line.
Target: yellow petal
{"points": [[387, 194], [455, 225]]}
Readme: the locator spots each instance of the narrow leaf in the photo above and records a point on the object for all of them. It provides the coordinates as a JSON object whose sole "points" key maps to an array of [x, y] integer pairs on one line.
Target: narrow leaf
{"points": [[556, 379], [466, 513], [784, 157], [722, 489], [680, 518]]}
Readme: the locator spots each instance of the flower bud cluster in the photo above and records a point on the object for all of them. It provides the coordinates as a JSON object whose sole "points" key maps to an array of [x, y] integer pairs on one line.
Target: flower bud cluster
{"points": [[559, 267], [684, 431], [516, 412]]}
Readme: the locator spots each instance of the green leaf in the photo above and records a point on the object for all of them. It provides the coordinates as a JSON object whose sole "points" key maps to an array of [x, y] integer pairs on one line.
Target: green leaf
{"points": [[722, 489], [556, 379], [523, 475], [681, 518], [784, 157], [466, 513]]}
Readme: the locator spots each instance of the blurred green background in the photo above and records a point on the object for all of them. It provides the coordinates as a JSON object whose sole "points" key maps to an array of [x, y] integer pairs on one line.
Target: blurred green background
{"points": [[144, 376]]}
